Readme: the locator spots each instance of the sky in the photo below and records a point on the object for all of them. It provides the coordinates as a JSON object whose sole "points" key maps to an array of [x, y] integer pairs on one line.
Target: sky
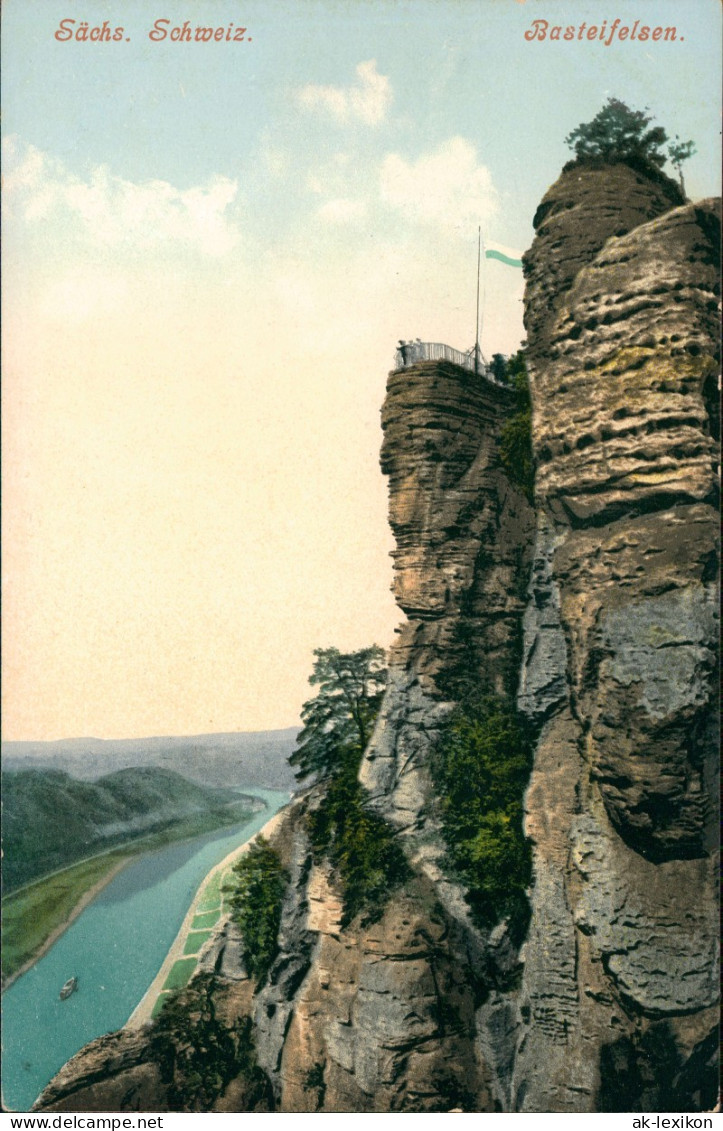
{"points": [[210, 251]]}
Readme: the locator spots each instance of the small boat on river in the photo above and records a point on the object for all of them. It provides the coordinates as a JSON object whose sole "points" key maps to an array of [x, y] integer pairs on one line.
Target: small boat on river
{"points": [[69, 988]]}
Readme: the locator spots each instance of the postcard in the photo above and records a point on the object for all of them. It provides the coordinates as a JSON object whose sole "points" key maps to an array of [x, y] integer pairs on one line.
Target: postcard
{"points": [[360, 430]]}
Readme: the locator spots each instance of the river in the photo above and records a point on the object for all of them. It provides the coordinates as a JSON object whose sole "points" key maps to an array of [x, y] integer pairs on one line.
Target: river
{"points": [[115, 948]]}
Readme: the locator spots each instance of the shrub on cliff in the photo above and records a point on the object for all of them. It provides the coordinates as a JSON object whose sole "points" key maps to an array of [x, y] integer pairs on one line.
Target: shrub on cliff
{"points": [[481, 766], [357, 842], [516, 437], [256, 905], [198, 1054]]}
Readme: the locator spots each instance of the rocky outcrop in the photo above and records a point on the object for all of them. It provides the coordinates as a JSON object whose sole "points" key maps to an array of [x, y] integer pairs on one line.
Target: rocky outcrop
{"points": [[462, 531], [598, 610], [111, 1074], [621, 406], [381, 1013], [621, 955], [585, 207], [383, 1017], [463, 535], [201, 1059]]}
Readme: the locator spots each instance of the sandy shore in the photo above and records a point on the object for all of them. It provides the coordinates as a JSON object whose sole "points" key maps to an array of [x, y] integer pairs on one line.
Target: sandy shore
{"points": [[80, 906], [141, 1015]]}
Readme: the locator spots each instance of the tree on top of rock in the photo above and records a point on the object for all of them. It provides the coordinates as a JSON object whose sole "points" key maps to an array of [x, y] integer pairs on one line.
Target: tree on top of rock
{"points": [[678, 152], [617, 133]]}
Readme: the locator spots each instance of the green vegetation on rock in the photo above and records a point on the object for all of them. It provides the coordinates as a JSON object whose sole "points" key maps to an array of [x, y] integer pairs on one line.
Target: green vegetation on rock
{"points": [[678, 152], [342, 713], [314, 1082], [619, 134], [516, 438], [338, 724], [198, 1054], [260, 883], [357, 842], [481, 766]]}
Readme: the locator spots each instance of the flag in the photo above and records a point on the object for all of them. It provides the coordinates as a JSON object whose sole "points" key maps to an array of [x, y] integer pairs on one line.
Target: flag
{"points": [[503, 254]]}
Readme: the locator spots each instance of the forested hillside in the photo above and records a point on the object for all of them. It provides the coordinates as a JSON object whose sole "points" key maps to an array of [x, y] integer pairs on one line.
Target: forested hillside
{"points": [[51, 819]]}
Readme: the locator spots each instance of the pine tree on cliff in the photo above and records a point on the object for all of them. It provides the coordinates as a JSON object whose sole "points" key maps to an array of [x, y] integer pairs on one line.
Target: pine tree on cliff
{"points": [[339, 719], [361, 848], [617, 133]]}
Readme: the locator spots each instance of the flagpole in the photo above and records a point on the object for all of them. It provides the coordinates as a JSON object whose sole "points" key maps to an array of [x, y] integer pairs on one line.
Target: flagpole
{"points": [[479, 259]]}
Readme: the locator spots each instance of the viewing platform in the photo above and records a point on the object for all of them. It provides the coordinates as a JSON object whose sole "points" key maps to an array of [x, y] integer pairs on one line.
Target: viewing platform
{"points": [[411, 353]]}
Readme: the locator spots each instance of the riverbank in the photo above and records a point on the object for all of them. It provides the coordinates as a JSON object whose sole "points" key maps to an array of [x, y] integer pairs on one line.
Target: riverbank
{"points": [[86, 898], [36, 915], [143, 1013], [115, 948]]}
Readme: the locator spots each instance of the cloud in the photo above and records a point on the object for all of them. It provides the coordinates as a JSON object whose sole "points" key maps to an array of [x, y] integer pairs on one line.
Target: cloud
{"points": [[368, 100], [112, 211], [447, 188], [342, 210]]}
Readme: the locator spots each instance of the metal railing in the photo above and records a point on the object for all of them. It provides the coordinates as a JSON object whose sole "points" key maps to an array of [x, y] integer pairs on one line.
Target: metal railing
{"points": [[410, 353]]}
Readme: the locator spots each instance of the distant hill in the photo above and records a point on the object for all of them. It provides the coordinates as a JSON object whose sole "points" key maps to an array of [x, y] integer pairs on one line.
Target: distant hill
{"points": [[251, 758], [50, 819]]}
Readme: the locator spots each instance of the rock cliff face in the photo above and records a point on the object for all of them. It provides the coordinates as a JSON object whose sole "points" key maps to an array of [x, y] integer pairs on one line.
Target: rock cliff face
{"points": [[583, 209], [620, 652], [597, 609], [464, 544]]}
